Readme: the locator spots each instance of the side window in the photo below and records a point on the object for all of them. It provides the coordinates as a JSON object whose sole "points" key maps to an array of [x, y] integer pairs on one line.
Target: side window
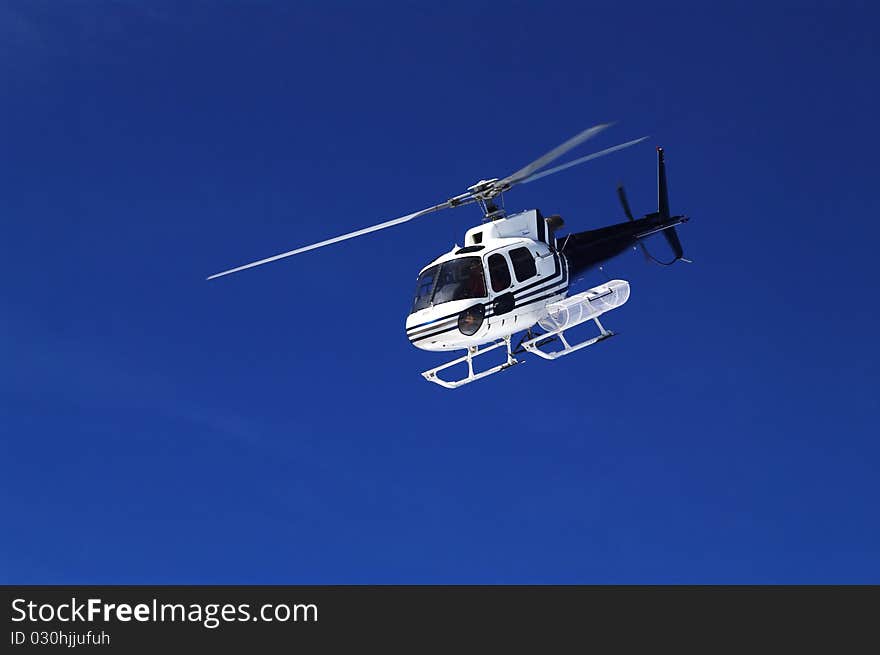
{"points": [[499, 272], [523, 264]]}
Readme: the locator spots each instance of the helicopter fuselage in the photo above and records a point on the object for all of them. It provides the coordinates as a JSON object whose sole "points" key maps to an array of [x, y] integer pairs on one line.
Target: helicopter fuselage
{"points": [[510, 271], [500, 282]]}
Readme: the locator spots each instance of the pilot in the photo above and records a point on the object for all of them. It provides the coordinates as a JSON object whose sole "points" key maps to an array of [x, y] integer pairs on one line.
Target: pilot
{"points": [[468, 320], [475, 280]]}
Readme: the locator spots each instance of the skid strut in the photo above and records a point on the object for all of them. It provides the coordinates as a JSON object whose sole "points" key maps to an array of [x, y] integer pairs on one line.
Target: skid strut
{"points": [[534, 345], [472, 354]]}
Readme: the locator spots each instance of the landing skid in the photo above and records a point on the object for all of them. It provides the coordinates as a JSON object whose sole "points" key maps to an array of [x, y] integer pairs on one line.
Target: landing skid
{"points": [[472, 353], [532, 345]]}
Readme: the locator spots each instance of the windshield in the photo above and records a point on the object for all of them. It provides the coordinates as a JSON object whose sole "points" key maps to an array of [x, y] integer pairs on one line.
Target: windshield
{"points": [[457, 279]]}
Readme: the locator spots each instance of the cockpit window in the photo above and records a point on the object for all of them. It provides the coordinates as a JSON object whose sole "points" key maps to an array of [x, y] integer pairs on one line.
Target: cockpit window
{"points": [[457, 279], [424, 288]]}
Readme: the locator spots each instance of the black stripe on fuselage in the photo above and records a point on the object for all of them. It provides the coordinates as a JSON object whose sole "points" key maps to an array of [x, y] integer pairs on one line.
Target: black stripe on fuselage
{"points": [[434, 334], [431, 324], [434, 326], [555, 292], [544, 297]]}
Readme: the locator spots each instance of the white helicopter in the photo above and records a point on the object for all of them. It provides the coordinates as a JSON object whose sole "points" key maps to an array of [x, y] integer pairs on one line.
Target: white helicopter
{"points": [[513, 273]]}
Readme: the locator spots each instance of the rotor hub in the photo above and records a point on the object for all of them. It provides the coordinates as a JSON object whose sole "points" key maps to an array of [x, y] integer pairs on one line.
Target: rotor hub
{"points": [[485, 189]]}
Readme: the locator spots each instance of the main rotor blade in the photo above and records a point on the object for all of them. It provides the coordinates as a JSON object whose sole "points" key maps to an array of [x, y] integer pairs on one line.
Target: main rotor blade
{"points": [[581, 160], [454, 202], [554, 154]]}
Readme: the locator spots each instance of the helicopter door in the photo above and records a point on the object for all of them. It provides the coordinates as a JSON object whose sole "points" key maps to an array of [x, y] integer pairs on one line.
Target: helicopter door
{"points": [[499, 275]]}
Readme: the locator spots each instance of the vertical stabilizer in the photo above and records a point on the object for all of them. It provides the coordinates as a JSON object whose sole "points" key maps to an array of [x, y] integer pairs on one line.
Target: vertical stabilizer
{"points": [[663, 206], [662, 189]]}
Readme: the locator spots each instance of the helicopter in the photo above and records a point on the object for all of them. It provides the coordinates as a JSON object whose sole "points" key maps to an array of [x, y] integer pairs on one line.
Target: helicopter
{"points": [[514, 272]]}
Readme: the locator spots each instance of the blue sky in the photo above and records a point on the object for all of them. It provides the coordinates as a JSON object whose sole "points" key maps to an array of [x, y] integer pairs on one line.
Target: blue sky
{"points": [[272, 427]]}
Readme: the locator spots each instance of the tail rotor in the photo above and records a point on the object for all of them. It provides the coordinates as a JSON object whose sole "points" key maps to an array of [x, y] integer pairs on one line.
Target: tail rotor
{"points": [[621, 194], [661, 217]]}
